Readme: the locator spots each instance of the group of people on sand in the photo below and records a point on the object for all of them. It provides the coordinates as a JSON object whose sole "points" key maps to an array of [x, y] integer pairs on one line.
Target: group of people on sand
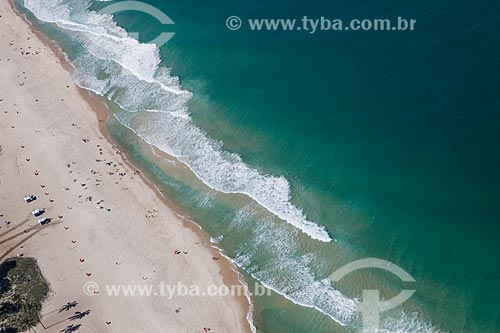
{"points": [[152, 213]]}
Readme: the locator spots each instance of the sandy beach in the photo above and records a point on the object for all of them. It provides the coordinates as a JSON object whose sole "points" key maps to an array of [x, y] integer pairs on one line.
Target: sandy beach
{"points": [[108, 226]]}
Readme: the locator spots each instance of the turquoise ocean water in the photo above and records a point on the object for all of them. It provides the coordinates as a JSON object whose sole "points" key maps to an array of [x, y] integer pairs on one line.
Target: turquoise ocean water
{"points": [[308, 151]]}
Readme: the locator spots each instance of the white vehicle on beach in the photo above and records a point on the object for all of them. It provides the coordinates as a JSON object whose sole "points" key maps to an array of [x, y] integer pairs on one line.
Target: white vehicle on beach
{"points": [[44, 220], [29, 198], [38, 212]]}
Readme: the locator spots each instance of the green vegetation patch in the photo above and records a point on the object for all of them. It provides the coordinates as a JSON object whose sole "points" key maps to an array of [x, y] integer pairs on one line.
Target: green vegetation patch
{"points": [[22, 292]]}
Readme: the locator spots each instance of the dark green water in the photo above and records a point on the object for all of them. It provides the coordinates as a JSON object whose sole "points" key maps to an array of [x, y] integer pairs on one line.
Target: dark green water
{"points": [[388, 139]]}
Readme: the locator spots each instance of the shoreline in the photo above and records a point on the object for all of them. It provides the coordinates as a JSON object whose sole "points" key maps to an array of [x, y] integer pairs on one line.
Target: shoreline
{"points": [[229, 272]]}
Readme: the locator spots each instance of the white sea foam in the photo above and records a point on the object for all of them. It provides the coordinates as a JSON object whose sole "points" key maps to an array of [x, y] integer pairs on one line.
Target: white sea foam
{"points": [[290, 275], [402, 322], [216, 240]]}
